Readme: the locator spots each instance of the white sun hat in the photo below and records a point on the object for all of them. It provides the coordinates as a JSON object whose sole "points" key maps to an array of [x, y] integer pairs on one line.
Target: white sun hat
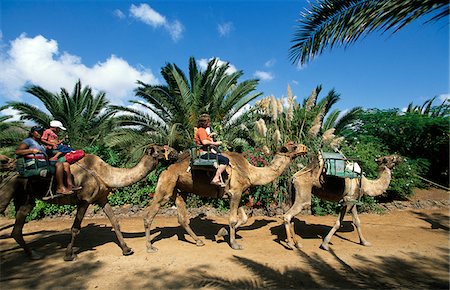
{"points": [[57, 124]]}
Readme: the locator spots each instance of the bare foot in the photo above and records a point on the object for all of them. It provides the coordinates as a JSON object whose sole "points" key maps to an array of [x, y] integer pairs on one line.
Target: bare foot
{"points": [[64, 191]]}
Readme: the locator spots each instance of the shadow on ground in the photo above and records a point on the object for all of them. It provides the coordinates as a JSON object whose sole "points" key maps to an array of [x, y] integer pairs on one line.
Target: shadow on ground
{"points": [[381, 273]]}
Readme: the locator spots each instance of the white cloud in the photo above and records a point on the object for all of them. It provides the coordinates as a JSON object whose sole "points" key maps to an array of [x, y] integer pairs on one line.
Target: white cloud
{"points": [[203, 63], [270, 62], [263, 75], [119, 14], [151, 17], [225, 28], [38, 61]]}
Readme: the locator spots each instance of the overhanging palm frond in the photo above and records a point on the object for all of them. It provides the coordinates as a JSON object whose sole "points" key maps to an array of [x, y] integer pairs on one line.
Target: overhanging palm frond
{"points": [[341, 22]]}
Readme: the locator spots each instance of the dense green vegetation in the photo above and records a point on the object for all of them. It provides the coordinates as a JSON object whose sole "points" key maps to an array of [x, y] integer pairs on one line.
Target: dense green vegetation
{"points": [[420, 135]]}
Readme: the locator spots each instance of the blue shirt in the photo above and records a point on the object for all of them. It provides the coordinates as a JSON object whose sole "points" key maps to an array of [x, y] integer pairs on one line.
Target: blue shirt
{"points": [[33, 144]]}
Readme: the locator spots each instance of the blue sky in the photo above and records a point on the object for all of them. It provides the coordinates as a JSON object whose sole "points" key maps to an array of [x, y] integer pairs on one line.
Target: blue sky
{"points": [[111, 44]]}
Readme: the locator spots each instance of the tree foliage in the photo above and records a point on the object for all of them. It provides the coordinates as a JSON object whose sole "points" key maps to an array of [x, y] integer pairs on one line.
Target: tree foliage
{"points": [[87, 118], [329, 23], [169, 112], [416, 136]]}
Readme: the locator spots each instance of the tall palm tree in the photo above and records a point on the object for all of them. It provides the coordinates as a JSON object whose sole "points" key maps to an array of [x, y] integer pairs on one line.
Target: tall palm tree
{"points": [[87, 118], [341, 22], [170, 111]]}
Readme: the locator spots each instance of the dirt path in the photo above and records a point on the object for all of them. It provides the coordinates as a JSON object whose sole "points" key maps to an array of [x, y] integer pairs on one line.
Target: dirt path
{"points": [[410, 250]]}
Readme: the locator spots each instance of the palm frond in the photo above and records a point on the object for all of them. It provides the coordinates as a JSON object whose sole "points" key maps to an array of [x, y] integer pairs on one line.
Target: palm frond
{"points": [[330, 23]]}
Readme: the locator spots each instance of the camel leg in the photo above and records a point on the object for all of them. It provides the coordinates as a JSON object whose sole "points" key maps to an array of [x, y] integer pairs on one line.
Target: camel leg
{"points": [[126, 251], [22, 212], [242, 217], [234, 204], [9, 187], [164, 190], [357, 224], [183, 219], [302, 199], [75, 230], [336, 226]]}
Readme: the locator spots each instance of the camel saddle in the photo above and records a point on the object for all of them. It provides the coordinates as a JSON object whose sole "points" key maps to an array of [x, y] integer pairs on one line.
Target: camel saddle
{"points": [[337, 165], [198, 163]]}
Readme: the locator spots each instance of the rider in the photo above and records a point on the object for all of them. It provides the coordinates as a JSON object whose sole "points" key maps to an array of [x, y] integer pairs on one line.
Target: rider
{"points": [[31, 147], [202, 138]]}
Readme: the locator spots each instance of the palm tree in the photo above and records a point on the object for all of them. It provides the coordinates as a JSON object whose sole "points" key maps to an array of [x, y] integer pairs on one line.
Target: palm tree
{"points": [[13, 132], [170, 111], [341, 22], [428, 109], [87, 118]]}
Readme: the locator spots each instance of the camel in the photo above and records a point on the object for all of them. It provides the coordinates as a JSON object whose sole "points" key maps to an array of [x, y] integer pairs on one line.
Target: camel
{"points": [[177, 180], [312, 180], [97, 179]]}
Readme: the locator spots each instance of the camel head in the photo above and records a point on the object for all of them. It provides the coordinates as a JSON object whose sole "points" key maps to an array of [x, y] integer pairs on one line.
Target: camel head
{"points": [[389, 161], [293, 150], [7, 164], [162, 152]]}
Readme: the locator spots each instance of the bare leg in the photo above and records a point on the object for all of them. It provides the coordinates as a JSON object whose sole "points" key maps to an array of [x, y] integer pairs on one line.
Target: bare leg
{"points": [[357, 224], [126, 251], [183, 219], [336, 226], [56, 156], [76, 226], [164, 191], [59, 174], [218, 177], [68, 175]]}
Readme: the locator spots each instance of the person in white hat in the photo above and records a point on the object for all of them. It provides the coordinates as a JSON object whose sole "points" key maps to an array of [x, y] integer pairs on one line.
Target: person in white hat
{"points": [[55, 146], [51, 139]]}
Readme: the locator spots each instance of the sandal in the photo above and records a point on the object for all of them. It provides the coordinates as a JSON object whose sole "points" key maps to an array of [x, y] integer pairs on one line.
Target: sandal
{"points": [[69, 192], [218, 183]]}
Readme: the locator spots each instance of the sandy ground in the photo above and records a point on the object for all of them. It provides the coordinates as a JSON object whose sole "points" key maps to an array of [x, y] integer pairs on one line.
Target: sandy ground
{"points": [[410, 250]]}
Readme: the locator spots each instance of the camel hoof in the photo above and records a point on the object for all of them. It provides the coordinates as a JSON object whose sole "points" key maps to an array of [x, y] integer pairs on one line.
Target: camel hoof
{"points": [[199, 243], [35, 255], [152, 250], [237, 247], [366, 244], [69, 258], [324, 247], [222, 232], [127, 252]]}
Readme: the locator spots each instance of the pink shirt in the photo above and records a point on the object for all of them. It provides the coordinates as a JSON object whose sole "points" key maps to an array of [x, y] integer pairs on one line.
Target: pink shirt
{"points": [[50, 136]]}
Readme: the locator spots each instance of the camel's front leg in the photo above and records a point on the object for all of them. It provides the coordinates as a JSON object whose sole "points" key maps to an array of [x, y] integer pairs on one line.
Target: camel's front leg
{"points": [[302, 200], [22, 212], [164, 190], [357, 224], [183, 219], [234, 204], [126, 251], [336, 226], [76, 226]]}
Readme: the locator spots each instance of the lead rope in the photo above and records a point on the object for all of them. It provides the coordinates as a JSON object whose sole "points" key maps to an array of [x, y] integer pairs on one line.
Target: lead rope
{"points": [[50, 191]]}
